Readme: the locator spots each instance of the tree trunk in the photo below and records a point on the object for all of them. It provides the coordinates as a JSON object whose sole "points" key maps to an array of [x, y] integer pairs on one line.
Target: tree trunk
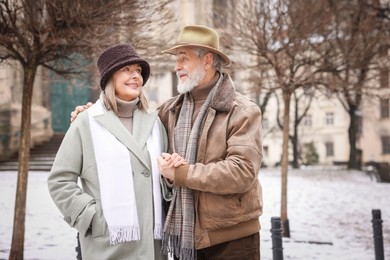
{"points": [[286, 128], [17, 246], [266, 98], [294, 139], [294, 142], [352, 130]]}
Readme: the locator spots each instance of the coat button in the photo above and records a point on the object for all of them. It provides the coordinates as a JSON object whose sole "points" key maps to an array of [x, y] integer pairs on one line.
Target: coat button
{"points": [[146, 173]]}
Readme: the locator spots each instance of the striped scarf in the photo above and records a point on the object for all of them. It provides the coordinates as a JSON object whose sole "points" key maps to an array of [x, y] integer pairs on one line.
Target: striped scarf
{"points": [[180, 222]]}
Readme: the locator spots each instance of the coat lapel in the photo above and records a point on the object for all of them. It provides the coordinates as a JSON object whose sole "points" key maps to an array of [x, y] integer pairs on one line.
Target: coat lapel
{"points": [[143, 126]]}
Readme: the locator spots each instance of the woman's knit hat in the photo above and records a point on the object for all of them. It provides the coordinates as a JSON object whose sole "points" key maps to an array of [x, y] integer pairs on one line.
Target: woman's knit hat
{"points": [[119, 56]]}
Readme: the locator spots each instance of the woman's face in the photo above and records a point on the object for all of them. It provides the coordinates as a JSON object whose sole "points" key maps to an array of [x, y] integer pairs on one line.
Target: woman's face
{"points": [[128, 82]]}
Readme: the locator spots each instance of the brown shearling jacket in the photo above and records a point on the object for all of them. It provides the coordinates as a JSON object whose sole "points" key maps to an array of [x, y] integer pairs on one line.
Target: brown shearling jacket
{"points": [[227, 192]]}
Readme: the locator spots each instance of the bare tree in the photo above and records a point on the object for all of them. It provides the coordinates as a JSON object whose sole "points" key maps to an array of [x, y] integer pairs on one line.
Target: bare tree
{"points": [[356, 36], [302, 102], [49, 33]]}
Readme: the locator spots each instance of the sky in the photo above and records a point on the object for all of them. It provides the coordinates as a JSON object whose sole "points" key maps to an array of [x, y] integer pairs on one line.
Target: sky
{"points": [[329, 212]]}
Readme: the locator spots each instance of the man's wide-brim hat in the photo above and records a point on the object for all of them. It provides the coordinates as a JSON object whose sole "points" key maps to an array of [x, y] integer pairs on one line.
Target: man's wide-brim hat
{"points": [[117, 57], [199, 36]]}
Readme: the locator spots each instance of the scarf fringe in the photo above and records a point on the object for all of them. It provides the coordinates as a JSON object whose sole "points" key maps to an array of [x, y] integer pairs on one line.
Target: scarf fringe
{"points": [[158, 232], [122, 234], [187, 254], [171, 245]]}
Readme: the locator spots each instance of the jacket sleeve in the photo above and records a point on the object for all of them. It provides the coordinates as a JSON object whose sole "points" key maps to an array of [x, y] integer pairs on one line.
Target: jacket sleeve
{"points": [[77, 207], [237, 170]]}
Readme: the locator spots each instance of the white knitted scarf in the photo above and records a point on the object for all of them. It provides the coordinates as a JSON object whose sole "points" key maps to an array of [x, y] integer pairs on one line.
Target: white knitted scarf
{"points": [[116, 180]]}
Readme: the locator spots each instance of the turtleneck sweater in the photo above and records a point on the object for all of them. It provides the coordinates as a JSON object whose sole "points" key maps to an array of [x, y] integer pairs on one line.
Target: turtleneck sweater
{"points": [[125, 112], [200, 95]]}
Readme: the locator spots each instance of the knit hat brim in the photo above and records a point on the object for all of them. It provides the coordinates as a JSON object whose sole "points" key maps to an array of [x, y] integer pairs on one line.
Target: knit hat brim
{"points": [[144, 65]]}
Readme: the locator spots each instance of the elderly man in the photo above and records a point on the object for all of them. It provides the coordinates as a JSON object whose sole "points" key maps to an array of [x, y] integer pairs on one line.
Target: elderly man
{"points": [[217, 196]]}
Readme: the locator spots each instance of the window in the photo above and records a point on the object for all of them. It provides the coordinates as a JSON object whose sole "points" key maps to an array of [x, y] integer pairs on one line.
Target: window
{"points": [[220, 13], [385, 107], [329, 93], [329, 118], [174, 84], [265, 123], [329, 149], [384, 78], [385, 144], [359, 124], [307, 120], [265, 150]]}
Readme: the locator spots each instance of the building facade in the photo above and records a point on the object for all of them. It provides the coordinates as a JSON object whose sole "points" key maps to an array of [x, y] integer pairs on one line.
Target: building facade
{"points": [[11, 89], [323, 131]]}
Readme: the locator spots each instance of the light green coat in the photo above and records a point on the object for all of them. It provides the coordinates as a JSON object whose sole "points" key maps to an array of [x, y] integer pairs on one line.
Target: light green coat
{"points": [[81, 206]]}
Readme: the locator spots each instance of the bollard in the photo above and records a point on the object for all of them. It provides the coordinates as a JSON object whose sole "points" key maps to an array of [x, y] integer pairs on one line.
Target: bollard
{"points": [[378, 237], [277, 247], [78, 248]]}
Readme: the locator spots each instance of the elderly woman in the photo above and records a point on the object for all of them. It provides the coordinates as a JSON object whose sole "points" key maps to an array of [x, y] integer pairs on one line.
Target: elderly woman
{"points": [[111, 150]]}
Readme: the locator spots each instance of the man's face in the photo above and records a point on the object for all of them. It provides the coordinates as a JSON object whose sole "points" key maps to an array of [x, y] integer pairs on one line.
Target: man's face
{"points": [[189, 69]]}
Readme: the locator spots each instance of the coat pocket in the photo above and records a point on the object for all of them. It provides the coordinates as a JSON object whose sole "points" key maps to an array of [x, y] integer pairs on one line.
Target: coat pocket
{"points": [[98, 222], [219, 211]]}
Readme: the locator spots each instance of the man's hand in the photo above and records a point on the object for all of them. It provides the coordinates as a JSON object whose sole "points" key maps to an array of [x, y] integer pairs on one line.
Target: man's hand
{"points": [[167, 164], [77, 110], [174, 160]]}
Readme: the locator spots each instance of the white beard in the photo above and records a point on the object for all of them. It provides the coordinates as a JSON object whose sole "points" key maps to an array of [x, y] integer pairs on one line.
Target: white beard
{"points": [[192, 81]]}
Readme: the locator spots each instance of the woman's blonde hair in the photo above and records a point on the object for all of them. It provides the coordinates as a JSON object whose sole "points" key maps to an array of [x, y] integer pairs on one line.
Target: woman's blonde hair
{"points": [[108, 96]]}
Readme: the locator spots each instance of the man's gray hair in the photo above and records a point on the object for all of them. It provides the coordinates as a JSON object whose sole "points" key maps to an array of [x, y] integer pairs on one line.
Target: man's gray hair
{"points": [[217, 61]]}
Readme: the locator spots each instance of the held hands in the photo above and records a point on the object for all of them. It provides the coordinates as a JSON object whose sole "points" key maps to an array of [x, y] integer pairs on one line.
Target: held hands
{"points": [[78, 110], [167, 164]]}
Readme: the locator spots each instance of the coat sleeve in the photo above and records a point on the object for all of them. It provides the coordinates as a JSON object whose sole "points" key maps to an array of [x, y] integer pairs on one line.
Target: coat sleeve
{"points": [[77, 207], [166, 187]]}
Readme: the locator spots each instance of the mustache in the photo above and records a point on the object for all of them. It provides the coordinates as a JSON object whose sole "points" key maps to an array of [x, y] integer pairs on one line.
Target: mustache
{"points": [[182, 72]]}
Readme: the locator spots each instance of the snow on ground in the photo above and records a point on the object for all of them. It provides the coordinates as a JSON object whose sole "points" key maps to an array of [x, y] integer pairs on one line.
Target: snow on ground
{"points": [[329, 212], [332, 207], [47, 235]]}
